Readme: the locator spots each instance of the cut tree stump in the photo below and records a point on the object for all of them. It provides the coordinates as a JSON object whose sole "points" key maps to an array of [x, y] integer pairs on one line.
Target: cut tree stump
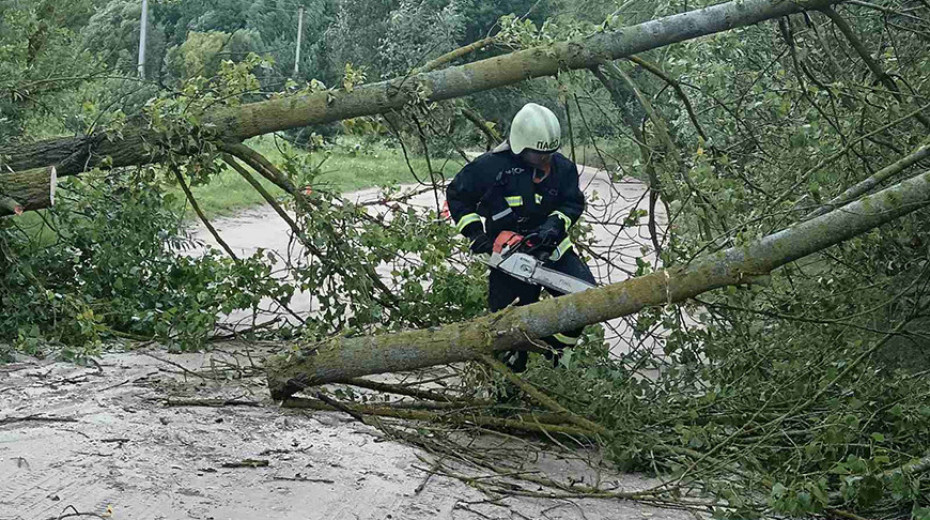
{"points": [[27, 190]]}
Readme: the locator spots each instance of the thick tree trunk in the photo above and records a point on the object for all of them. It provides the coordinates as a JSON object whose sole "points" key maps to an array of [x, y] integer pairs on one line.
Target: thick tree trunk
{"points": [[28, 190], [73, 156], [340, 359]]}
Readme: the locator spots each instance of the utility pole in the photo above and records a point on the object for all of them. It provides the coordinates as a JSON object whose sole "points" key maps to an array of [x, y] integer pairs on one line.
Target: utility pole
{"points": [[300, 31], [142, 38]]}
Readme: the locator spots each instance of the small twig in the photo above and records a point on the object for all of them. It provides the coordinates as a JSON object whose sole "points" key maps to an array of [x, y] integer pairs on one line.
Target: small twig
{"points": [[216, 403], [429, 475], [455, 54], [76, 513], [457, 417], [427, 381], [401, 390], [542, 398], [462, 505], [236, 333], [842, 513], [247, 463], [36, 418], [299, 478], [172, 363], [339, 406]]}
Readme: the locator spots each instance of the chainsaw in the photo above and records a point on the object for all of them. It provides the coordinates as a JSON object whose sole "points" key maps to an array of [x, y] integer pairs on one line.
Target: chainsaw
{"points": [[521, 257]]}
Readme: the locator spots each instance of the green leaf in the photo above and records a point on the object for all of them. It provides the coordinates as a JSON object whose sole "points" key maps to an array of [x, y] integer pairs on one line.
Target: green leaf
{"points": [[779, 490], [870, 491]]}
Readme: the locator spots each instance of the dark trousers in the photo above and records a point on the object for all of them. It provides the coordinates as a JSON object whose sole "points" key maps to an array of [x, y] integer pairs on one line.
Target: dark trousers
{"points": [[503, 289]]}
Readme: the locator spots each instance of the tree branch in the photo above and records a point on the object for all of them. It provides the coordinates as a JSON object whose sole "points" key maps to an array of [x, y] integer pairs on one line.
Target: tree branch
{"points": [[75, 155], [871, 63], [872, 181], [338, 359]]}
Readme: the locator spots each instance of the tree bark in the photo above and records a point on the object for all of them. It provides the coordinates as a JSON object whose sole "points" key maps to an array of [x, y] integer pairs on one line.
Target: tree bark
{"points": [[339, 359], [74, 155], [27, 190]]}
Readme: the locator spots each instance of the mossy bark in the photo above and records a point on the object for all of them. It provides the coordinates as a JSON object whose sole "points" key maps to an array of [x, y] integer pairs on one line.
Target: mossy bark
{"points": [[340, 359], [75, 155]]}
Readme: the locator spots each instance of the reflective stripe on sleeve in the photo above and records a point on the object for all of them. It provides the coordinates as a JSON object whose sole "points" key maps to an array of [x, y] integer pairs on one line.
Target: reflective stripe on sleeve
{"points": [[538, 199], [565, 340], [565, 218], [514, 201], [466, 220], [502, 214], [564, 246]]}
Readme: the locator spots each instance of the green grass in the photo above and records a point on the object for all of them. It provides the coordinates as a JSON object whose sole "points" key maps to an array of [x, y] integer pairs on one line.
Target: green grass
{"points": [[33, 225], [347, 168], [609, 154], [226, 194]]}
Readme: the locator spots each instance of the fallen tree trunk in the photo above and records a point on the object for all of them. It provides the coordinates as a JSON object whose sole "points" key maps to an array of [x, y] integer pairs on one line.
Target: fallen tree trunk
{"points": [[75, 155], [340, 359], [28, 190]]}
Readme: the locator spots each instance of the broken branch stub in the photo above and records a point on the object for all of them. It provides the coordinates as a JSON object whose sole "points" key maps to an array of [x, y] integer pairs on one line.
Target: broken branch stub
{"points": [[340, 359]]}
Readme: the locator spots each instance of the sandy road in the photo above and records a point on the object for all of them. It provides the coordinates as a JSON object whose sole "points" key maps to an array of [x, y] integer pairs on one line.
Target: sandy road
{"points": [[102, 440]]}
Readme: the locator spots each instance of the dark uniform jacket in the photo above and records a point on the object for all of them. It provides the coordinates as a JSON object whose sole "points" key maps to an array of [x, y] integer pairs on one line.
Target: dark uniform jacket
{"points": [[499, 187]]}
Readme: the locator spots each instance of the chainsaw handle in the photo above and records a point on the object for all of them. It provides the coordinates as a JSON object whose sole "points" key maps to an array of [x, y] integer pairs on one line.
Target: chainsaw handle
{"points": [[531, 244]]}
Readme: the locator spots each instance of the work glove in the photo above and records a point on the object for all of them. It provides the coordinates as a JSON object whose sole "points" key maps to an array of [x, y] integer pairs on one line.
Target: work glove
{"points": [[481, 245], [551, 232]]}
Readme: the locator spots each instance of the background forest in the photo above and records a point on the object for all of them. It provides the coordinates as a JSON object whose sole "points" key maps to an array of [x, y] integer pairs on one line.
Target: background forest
{"points": [[807, 394]]}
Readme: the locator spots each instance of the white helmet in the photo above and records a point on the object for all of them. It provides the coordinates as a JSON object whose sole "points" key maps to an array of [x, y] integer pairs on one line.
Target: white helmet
{"points": [[535, 127]]}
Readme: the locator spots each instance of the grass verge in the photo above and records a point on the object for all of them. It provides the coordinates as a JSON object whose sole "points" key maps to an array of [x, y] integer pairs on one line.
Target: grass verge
{"points": [[347, 167]]}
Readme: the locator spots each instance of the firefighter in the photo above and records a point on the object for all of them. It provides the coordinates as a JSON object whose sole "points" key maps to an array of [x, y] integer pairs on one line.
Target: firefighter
{"points": [[523, 185]]}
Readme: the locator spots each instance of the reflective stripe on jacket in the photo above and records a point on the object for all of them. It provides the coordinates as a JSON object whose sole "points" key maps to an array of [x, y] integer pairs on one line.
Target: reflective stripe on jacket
{"points": [[499, 187]]}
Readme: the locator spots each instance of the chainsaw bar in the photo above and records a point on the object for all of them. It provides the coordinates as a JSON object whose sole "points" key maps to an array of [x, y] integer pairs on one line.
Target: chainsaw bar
{"points": [[528, 269]]}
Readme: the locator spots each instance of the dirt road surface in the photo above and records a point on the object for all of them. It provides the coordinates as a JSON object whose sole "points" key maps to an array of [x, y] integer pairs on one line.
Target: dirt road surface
{"points": [[102, 439]]}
